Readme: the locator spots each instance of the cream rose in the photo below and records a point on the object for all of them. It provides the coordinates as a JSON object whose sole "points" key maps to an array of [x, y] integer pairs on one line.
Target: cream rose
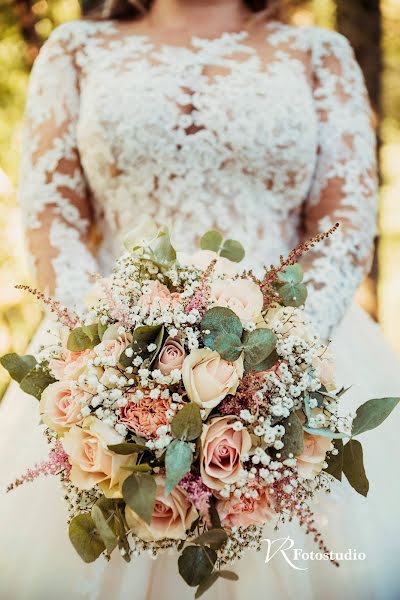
{"points": [[60, 406], [325, 371], [222, 448], [208, 378], [172, 515], [311, 461], [202, 259], [243, 296], [113, 344], [171, 356], [92, 462]]}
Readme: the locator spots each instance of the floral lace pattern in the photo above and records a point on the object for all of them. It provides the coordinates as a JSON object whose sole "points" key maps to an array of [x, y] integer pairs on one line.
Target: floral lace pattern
{"points": [[270, 148]]}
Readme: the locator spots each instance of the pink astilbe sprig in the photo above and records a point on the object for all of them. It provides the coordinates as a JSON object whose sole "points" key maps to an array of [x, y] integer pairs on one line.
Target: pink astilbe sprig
{"points": [[246, 397], [56, 463], [117, 311], [202, 294], [198, 493], [68, 318]]}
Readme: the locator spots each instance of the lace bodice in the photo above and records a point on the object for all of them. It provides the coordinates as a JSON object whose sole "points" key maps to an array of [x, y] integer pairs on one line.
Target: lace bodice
{"points": [[268, 146]]}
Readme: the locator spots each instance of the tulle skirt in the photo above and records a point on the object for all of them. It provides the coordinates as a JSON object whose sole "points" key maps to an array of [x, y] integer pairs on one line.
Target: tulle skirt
{"points": [[38, 562]]}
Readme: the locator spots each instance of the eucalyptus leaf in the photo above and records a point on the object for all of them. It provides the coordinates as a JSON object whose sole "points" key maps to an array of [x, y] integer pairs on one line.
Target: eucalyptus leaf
{"points": [[372, 413], [206, 584], [291, 274], [228, 346], [163, 251], [36, 381], [101, 329], [143, 337], [232, 250], [220, 321], [139, 492], [353, 467], [293, 294], [187, 423], [85, 538], [18, 366], [83, 338], [178, 460], [307, 407], [213, 514], [140, 468], [212, 240], [257, 346], [268, 363], [334, 435], [196, 563], [229, 575], [335, 461], [294, 437], [103, 517], [127, 448], [215, 538]]}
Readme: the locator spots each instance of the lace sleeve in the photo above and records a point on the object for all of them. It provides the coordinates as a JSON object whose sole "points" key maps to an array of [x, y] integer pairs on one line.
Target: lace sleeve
{"points": [[53, 191], [344, 187]]}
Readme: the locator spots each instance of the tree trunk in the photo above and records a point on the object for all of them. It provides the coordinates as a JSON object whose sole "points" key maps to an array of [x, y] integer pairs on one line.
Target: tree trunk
{"points": [[361, 22]]}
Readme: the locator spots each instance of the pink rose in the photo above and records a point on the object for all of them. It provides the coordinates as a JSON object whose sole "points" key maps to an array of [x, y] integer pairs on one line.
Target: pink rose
{"points": [[92, 462], [243, 296], [208, 378], [172, 515], [202, 259], [242, 512], [60, 406], [311, 461], [157, 295], [171, 356], [222, 448], [145, 416]]}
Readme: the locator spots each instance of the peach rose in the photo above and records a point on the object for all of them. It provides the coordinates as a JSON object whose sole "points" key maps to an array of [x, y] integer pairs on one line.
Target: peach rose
{"points": [[242, 512], [243, 296], [202, 258], [222, 448], [71, 366], [208, 378], [171, 356], [145, 416], [311, 462], [60, 406], [92, 462], [158, 295], [172, 515]]}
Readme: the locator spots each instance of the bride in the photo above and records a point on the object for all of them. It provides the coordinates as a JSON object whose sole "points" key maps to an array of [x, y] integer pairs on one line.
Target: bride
{"points": [[204, 114]]}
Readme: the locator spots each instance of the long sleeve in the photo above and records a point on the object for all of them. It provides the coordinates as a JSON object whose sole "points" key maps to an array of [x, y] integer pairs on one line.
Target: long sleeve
{"points": [[53, 191], [344, 187]]}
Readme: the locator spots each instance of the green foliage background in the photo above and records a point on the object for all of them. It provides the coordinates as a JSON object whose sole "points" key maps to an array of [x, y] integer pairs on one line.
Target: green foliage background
{"points": [[19, 314]]}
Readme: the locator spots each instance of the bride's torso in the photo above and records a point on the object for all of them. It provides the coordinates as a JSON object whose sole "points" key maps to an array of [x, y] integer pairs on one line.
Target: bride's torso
{"points": [[220, 134]]}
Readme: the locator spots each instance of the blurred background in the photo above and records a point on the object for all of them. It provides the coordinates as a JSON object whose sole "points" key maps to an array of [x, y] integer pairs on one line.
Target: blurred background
{"points": [[372, 27]]}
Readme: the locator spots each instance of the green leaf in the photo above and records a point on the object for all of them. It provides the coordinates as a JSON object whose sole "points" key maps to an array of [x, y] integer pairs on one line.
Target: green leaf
{"points": [[85, 538], [230, 575], [101, 329], [257, 346], [206, 584], [213, 514], [215, 538], [18, 366], [36, 381], [294, 437], [334, 435], [127, 448], [196, 563], [103, 517], [335, 461], [141, 468], [142, 338], [178, 460], [139, 492], [268, 363], [293, 294], [220, 321], [163, 251], [353, 467], [232, 250], [212, 240], [83, 338], [372, 413], [228, 346], [291, 274], [187, 423]]}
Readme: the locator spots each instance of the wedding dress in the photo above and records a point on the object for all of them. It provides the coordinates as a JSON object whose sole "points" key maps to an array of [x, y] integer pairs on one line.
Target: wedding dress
{"points": [[270, 147]]}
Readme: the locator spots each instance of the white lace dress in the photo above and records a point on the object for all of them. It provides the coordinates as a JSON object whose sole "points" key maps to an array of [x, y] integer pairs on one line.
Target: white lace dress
{"points": [[270, 146]]}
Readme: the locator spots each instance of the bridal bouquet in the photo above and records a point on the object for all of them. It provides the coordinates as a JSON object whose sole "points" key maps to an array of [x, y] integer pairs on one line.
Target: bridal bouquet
{"points": [[192, 404]]}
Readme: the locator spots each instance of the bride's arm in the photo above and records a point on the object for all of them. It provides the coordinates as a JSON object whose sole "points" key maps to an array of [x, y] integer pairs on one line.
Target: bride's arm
{"points": [[344, 187], [53, 191]]}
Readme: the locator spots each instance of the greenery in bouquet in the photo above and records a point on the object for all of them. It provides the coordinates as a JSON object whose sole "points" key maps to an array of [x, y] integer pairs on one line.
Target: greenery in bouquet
{"points": [[190, 405]]}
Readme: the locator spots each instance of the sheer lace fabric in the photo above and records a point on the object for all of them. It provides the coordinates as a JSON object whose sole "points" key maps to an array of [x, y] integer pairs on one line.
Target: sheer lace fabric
{"points": [[270, 146]]}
